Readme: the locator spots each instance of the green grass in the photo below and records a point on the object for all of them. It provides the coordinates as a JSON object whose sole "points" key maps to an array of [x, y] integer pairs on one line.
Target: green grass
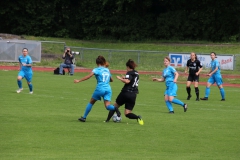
{"points": [[45, 126]]}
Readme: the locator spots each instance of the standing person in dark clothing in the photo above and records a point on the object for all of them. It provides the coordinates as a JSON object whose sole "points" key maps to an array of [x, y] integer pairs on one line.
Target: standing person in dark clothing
{"points": [[128, 93], [68, 62], [194, 67]]}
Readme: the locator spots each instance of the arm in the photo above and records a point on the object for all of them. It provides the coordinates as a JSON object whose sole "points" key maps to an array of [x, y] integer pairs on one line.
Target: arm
{"points": [[29, 62], [29, 65], [212, 72], [64, 54], [84, 78], [20, 64], [186, 70], [176, 77], [197, 73], [126, 81], [70, 54], [158, 79]]}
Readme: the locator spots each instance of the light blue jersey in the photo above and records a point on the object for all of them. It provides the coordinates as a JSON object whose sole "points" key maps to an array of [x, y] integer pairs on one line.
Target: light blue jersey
{"points": [[215, 64], [169, 74], [25, 60], [216, 77], [103, 88], [25, 71]]}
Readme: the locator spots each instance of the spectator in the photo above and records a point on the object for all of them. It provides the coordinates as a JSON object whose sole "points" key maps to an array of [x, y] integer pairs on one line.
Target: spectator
{"points": [[68, 62]]}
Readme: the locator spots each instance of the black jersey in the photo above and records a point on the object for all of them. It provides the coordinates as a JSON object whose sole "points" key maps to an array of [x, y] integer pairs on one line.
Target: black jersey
{"points": [[193, 66], [132, 86]]}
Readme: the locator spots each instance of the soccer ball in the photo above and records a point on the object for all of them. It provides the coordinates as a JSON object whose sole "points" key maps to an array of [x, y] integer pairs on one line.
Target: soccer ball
{"points": [[115, 118]]}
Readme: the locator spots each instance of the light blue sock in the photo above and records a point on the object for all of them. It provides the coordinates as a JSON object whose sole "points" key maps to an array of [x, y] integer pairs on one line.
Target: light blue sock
{"points": [[19, 82], [222, 93], [30, 87], [207, 92], [177, 101], [169, 105], [87, 110], [110, 107]]}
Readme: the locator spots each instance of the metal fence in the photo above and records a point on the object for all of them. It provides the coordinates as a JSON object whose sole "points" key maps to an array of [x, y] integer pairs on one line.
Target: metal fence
{"points": [[10, 50], [146, 60]]}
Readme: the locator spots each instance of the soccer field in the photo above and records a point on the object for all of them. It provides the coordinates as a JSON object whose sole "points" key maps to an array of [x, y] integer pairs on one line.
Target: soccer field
{"points": [[44, 125]]}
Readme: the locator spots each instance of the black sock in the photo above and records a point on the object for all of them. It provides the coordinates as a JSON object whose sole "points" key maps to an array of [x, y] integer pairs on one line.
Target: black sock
{"points": [[188, 90], [132, 116], [110, 114], [197, 92]]}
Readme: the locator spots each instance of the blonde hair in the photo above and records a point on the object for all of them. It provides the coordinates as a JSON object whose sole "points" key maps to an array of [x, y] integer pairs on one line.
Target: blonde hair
{"points": [[168, 59]]}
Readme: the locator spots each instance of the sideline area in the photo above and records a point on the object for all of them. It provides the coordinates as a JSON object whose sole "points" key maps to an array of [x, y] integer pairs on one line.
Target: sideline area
{"points": [[83, 70]]}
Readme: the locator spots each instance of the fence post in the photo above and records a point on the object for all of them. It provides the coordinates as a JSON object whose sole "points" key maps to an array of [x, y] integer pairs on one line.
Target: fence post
{"points": [[109, 55], [81, 54], [138, 57]]}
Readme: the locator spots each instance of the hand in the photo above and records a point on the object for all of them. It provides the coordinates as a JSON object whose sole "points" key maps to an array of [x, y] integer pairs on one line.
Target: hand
{"points": [[209, 74], [185, 71], [197, 73], [76, 81], [118, 77], [175, 81], [154, 79], [24, 64]]}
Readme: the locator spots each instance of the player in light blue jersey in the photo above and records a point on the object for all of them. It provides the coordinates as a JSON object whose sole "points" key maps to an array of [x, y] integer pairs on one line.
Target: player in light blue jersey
{"points": [[25, 70], [214, 77], [170, 76], [103, 88]]}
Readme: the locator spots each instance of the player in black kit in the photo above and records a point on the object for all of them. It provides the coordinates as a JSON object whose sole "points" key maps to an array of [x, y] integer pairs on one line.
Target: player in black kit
{"points": [[128, 93], [195, 67]]}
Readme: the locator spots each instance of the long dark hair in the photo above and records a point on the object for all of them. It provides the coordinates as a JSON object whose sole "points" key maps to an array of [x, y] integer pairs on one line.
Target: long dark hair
{"points": [[100, 60], [131, 64]]}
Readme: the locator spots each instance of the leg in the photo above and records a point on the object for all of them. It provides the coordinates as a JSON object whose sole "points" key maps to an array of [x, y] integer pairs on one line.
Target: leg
{"points": [[219, 83], [130, 115], [30, 87], [111, 107], [72, 69], [29, 80], [207, 91], [196, 91], [177, 101], [222, 92], [111, 112], [62, 65], [19, 81], [87, 110], [188, 88], [169, 104]]}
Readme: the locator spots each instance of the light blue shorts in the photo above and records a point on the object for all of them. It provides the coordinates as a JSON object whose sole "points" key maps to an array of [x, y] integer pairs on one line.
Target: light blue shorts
{"points": [[171, 89], [28, 76], [106, 94], [216, 79]]}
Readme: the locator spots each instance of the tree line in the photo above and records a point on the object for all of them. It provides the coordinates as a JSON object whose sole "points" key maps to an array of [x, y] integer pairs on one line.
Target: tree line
{"points": [[127, 20]]}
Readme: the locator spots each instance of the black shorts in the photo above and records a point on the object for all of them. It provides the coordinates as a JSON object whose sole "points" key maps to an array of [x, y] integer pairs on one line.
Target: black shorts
{"points": [[192, 78], [127, 98]]}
